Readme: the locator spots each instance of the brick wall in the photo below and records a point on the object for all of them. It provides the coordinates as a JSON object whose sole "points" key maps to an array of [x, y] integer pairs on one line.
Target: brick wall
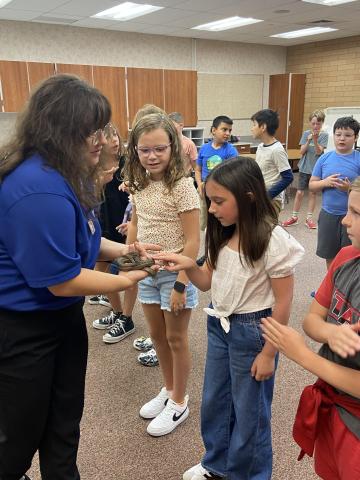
{"points": [[332, 70]]}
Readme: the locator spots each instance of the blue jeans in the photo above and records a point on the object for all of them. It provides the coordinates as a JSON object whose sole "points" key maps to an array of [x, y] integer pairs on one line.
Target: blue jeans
{"points": [[236, 408]]}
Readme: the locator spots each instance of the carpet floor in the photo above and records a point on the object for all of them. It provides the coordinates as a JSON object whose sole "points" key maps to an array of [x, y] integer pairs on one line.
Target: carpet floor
{"points": [[114, 443]]}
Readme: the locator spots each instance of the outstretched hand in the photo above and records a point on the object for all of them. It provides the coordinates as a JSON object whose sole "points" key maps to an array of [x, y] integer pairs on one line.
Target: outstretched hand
{"points": [[287, 340], [174, 262]]}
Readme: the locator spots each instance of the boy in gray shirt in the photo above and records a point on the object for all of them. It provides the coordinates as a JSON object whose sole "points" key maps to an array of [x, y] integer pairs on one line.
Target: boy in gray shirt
{"points": [[312, 144]]}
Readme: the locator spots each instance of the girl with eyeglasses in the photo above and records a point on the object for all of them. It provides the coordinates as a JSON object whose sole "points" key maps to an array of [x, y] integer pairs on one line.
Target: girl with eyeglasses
{"points": [[165, 212], [50, 240]]}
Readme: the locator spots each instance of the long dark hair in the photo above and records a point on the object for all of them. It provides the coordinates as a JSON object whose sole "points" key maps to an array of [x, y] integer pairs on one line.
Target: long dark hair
{"points": [[256, 215], [58, 118]]}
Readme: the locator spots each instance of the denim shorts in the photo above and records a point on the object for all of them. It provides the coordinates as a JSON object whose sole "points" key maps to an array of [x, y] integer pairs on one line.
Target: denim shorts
{"points": [[158, 290]]}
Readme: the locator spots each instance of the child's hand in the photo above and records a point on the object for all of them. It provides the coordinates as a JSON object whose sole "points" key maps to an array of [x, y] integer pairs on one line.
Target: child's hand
{"points": [[142, 248], [287, 340], [123, 228], [177, 301], [343, 184], [344, 339], [332, 180], [173, 262], [123, 187], [263, 367], [108, 175]]}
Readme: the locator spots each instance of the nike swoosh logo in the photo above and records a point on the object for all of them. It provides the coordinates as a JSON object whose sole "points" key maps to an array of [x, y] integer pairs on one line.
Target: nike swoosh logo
{"points": [[177, 417]]}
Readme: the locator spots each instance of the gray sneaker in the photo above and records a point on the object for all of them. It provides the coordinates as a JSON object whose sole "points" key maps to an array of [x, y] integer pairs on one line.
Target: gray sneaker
{"points": [[143, 344], [148, 359], [122, 327]]}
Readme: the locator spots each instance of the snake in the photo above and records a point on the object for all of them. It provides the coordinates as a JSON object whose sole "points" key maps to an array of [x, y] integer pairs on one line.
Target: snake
{"points": [[133, 261]]}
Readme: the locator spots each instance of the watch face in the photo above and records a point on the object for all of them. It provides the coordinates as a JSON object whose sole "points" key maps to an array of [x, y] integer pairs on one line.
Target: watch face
{"points": [[179, 287]]}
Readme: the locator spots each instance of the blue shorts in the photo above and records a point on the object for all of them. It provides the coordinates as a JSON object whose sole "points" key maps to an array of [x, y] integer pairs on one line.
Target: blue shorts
{"points": [[158, 290]]}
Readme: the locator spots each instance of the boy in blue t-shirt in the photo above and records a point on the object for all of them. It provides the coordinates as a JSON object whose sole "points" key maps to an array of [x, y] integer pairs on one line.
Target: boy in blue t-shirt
{"points": [[332, 174], [210, 155]]}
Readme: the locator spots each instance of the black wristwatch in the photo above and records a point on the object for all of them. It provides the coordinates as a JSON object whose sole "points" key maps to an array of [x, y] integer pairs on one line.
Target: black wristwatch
{"points": [[179, 287]]}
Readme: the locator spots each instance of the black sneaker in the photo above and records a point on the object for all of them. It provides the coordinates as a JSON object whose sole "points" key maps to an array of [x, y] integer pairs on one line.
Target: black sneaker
{"points": [[122, 327], [25, 477], [106, 322], [99, 300]]}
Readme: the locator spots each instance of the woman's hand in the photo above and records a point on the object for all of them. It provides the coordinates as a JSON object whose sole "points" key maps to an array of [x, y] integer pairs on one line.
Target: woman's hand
{"points": [[174, 262]]}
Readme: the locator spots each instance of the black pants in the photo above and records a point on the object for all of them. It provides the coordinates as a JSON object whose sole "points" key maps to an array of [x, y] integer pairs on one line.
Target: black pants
{"points": [[43, 357]]}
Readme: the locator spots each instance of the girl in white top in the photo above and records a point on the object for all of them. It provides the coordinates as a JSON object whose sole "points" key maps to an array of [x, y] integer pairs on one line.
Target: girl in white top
{"points": [[249, 268], [166, 209]]}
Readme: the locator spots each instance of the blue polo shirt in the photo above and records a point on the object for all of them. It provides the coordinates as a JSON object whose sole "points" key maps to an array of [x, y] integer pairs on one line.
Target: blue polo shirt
{"points": [[209, 157], [46, 237]]}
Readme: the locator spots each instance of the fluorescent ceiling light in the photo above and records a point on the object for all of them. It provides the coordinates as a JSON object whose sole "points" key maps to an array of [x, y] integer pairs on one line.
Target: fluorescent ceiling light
{"points": [[329, 3], [126, 11], [304, 32], [226, 24], [4, 2]]}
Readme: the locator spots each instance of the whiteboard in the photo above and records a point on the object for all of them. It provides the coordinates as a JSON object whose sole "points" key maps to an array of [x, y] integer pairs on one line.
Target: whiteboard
{"points": [[237, 96], [332, 114]]}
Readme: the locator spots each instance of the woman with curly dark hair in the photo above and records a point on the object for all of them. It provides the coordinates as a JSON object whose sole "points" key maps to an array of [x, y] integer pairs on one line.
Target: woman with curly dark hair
{"points": [[49, 242]]}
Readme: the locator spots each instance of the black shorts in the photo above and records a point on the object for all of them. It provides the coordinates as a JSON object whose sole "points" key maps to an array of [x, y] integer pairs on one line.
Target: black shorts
{"points": [[332, 235], [304, 179]]}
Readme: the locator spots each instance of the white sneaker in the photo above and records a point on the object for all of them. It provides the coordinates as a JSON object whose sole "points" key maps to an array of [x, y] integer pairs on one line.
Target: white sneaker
{"points": [[169, 418], [198, 472], [156, 405]]}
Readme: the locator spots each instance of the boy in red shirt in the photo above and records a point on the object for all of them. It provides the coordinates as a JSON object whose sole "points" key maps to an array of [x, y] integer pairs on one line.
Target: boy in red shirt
{"points": [[328, 417]]}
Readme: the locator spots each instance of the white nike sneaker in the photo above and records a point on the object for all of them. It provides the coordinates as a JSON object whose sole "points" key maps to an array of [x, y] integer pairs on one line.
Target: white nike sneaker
{"points": [[198, 472], [156, 405], [169, 418]]}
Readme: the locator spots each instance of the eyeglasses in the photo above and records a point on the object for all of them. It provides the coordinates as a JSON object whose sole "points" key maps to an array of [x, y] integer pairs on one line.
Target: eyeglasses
{"points": [[344, 135], [158, 150], [108, 131]]}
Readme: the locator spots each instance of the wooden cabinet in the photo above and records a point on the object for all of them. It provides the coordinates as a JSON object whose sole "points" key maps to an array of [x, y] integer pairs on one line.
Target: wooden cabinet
{"points": [[180, 93], [14, 86], [85, 72], [38, 72], [127, 89], [111, 82], [145, 85], [286, 96]]}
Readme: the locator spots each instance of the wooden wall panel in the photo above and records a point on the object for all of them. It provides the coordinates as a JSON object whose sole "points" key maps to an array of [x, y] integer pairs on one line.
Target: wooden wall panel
{"points": [[278, 100], [180, 88], [82, 71], [38, 72], [145, 85], [296, 109], [15, 85], [111, 82]]}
